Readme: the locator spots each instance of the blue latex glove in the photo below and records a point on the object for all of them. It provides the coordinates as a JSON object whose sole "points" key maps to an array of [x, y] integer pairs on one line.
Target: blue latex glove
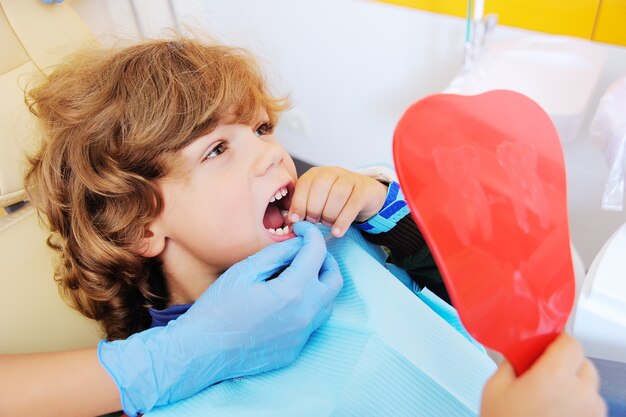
{"points": [[241, 325], [52, 1]]}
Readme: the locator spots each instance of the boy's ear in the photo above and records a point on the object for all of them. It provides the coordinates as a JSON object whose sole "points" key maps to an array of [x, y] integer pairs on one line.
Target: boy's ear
{"points": [[152, 243]]}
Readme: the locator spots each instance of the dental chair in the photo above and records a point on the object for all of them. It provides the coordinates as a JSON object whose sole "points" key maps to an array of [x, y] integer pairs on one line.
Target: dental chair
{"points": [[33, 317]]}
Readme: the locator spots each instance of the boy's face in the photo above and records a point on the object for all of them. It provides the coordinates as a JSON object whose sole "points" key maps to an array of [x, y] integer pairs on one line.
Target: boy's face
{"points": [[217, 202]]}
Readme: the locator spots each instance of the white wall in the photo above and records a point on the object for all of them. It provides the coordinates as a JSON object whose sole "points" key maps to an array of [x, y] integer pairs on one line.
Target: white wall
{"points": [[352, 67]]}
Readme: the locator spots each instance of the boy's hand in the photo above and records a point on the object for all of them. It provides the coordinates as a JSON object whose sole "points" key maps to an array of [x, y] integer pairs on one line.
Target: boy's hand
{"points": [[336, 197], [562, 383]]}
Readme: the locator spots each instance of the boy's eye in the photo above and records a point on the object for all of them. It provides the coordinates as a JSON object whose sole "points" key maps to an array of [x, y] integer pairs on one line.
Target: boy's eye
{"points": [[264, 129], [216, 151]]}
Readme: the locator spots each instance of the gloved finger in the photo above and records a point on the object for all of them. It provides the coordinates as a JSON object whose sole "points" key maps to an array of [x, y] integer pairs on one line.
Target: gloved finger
{"points": [[273, 258], [320, 318], [329, 286], [320, 291], [313, 251], [330, 276]]}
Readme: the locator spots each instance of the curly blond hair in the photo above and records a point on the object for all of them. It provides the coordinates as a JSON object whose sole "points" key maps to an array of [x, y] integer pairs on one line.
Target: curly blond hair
{"points": [[112, 121]]}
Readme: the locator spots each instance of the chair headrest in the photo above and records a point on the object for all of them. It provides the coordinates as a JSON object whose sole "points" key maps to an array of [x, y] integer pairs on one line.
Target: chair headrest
{"points": [[33, 38]]}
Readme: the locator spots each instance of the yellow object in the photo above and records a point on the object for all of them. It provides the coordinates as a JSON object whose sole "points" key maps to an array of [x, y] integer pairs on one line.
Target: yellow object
{"points": [[611, 22], [600, 20], [563, 17], [451, 7]]}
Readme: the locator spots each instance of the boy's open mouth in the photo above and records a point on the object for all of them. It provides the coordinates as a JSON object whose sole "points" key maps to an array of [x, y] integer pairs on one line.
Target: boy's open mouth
{"points": [[274, 219]]}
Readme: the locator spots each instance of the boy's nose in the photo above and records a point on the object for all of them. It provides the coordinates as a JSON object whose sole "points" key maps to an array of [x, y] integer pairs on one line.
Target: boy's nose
{"points": [[268, 155]]}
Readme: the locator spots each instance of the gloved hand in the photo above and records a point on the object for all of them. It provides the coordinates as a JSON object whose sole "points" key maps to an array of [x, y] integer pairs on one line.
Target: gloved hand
{"points": [[241, 325], [52, 1]]}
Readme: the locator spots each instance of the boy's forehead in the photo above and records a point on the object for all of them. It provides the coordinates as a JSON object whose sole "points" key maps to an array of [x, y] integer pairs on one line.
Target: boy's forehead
{"points": [[193, 150], [242, 115]]}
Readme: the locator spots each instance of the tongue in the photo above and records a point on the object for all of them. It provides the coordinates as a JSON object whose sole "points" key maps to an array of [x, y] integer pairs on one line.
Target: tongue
{"points": [[272, 218]]}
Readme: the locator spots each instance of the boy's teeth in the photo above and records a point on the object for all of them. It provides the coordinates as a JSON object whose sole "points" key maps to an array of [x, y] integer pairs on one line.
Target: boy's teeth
{"points": [[280, 231], [279, 194]]}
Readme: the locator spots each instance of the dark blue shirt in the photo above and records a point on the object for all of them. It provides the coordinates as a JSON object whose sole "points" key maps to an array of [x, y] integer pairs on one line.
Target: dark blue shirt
{"points": [[162, 317]]}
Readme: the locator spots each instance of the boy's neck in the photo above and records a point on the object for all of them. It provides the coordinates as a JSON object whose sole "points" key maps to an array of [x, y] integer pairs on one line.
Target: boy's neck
{"points": [[186, 277], [185, 294]]}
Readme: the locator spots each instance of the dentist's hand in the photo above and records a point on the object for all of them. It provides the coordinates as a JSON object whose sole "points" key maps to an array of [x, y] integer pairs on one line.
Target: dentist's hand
{"points": [[241, 325], [337, 197], [562, 383], [51, 1]]}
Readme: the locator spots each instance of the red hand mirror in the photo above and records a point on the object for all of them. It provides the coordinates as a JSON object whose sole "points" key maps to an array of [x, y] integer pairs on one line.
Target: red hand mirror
{"points": [[485, 180]]}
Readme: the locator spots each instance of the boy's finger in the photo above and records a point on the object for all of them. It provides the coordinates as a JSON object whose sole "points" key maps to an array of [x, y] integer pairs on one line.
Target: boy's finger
{"points": [[347, 216], [337, 199], [297, 210], [318, 196]]}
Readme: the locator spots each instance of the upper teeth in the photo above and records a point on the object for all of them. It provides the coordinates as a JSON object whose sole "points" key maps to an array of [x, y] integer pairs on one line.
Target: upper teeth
{"points": [[279, 194]]}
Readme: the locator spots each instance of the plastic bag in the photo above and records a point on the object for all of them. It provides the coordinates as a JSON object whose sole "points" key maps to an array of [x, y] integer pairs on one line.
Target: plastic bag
{"points": [[608, 130]]}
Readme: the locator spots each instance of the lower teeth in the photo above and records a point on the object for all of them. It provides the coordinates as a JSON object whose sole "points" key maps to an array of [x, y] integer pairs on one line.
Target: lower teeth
{"points": [[280, 231]]}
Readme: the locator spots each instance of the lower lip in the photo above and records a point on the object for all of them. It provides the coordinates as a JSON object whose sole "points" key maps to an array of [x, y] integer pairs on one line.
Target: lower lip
{"points": [[280, 238]]}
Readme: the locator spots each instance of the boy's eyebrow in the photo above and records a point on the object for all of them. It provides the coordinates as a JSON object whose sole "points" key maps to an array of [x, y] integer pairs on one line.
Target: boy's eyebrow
{"points": [[182, 161], [198, 144]]}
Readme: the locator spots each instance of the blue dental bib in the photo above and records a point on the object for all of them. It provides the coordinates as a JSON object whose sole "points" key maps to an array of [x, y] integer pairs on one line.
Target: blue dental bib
{"points": [[383, 352]]}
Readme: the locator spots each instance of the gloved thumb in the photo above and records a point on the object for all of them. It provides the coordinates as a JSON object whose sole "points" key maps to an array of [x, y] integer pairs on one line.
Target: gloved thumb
{"points": [[273, 258], [313, 251], [330, 284]]}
